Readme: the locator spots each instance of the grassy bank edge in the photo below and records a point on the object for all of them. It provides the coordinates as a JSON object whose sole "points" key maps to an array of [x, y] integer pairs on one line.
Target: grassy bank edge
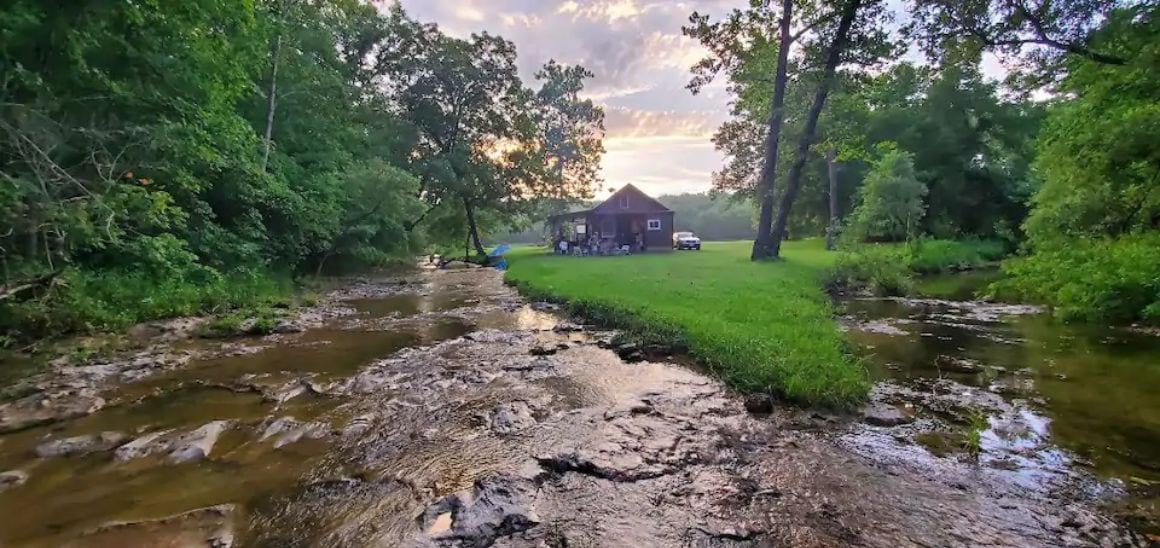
{"points": [[844, 393], [891, 268]]}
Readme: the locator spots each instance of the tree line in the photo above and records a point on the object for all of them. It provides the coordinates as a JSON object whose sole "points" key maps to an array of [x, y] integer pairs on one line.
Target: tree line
{"points": [[167, 157], [831, 134]]}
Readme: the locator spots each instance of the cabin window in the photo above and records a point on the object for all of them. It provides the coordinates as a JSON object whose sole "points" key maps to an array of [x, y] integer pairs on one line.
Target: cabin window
{"points": [[654, 224], [581, 230], [624, 202]]}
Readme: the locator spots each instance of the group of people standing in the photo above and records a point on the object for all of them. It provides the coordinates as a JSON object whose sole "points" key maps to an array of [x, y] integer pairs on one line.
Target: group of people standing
{"points": [[595, 245]]}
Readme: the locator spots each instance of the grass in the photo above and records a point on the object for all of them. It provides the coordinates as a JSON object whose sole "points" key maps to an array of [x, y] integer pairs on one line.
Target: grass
{"points": [[889, 269], [763, 327], [89, 302]]}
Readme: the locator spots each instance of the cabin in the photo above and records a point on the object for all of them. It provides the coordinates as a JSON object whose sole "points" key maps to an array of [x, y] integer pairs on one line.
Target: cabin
{"points": [[618, 221]]}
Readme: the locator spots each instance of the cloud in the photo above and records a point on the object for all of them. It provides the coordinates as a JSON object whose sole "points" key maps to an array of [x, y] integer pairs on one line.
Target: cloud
{"points": [[660, 165], [621, 123], [641, 65]]}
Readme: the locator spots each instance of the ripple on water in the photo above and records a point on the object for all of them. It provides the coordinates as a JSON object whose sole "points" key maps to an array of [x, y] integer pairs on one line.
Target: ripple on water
{"points": [[1078, 399]]}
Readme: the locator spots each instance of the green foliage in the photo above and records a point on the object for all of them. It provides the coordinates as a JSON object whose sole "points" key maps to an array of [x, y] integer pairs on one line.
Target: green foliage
{"points": [[238, 323], [177, 149], [879, 269], [889, 269], [929, 256], [1098, 154], [1094, 231], [973, 436], [712, 217], [764, 327], [891, 205], [86, 300], [1105, 280]]}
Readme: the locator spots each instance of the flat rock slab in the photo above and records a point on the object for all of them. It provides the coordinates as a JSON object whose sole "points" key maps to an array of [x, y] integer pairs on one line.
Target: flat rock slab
{"points": [[210, 527], [81, 445]]}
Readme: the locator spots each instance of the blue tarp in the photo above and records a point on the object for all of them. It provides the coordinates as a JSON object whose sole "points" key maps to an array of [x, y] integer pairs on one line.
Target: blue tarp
{"points": [[500, 250]]}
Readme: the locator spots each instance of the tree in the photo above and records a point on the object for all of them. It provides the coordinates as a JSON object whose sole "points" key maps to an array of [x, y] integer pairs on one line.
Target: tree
{"points": [[869, 44], [891, 201], [571, 133], [1040, 32], [1098, 159], [737, 45], [469, 109]]}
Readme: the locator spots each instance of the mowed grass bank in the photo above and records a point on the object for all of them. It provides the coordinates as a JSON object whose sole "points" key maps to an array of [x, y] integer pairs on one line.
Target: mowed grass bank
{"points": [[760, 326]]}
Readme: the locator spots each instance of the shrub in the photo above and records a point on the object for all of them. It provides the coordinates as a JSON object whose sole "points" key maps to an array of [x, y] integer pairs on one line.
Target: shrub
{"points": [[85, 301], [891, 201], [1115, 280], [930, 256], [879, 269]]}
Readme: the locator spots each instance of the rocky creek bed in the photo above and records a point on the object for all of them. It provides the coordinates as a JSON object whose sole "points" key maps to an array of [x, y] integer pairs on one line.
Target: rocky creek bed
{"points": [[440, 409]]}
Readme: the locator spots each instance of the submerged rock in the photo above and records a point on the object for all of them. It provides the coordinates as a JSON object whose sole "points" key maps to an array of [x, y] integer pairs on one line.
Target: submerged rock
{"points": [[210, 527], [40, 408], [508, 418], [12, 478], [957, 365], [80, 445], [197, 445]]}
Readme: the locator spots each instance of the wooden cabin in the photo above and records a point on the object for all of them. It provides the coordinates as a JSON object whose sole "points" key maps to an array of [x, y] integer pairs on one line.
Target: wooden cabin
{"points": [[618, 220]]}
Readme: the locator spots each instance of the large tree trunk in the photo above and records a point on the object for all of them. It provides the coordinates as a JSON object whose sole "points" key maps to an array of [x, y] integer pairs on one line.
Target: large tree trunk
{"points": [[272, 90], [472, 228], [832, 172], [763, 245], [793, 183]]}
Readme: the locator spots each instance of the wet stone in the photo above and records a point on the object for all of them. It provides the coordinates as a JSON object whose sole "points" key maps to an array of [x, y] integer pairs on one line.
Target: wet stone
{"points": [[567, 327], [358, 426], [80, 445], [508, 418], [288, 430], [543, 351], [497, 506], [188, 447], [141, 447], [12, 478], [880, 414], [198, 444], [759, 404]]}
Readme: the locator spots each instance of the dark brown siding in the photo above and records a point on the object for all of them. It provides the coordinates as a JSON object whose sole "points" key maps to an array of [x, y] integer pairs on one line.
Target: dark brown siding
{"points": [[660, 240]]}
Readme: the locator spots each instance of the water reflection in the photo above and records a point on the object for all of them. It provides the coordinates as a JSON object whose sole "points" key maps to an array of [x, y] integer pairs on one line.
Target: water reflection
{"points": [[1090, 390]]}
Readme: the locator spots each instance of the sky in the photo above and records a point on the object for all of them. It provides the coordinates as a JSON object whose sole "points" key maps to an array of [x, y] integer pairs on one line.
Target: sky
{"points": [[657, 132]]}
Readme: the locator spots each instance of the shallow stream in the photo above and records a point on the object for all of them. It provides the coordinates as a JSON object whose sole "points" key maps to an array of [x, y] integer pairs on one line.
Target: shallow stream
{"points": [[1045, 399], [441, 409]]}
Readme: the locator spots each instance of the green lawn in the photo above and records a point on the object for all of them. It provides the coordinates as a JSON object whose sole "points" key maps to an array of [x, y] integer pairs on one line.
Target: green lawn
{"points": [[760, 326]]}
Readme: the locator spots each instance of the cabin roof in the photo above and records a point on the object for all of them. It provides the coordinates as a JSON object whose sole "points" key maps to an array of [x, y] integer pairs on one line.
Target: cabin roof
{"points": [[637, 202]]}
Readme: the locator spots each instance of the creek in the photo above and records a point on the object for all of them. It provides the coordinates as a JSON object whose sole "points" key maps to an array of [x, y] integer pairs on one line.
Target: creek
{"points": [[1014, 389], [438, 408]]}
